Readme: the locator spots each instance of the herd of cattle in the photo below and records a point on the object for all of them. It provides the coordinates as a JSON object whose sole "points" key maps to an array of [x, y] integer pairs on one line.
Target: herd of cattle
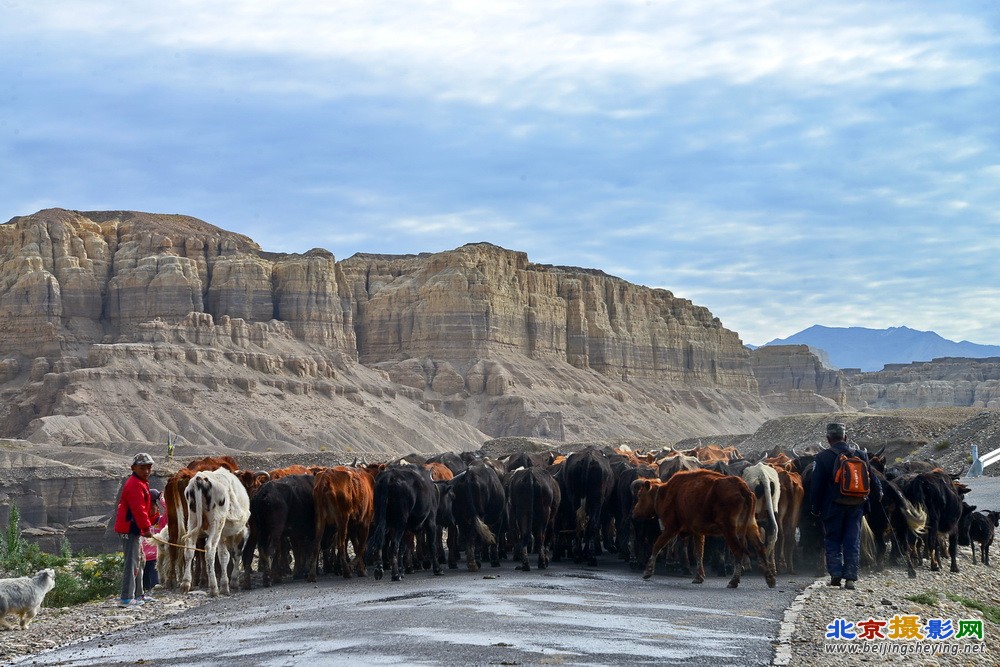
{"points": [[418, 512]]}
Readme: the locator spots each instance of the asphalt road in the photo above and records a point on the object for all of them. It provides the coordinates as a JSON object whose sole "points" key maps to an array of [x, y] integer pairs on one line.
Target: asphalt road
{"points": [[568, 614], [985, 493]]}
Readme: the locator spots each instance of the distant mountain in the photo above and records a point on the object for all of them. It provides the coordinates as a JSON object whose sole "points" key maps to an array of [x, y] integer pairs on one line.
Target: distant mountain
{"points": [[872, 349]]}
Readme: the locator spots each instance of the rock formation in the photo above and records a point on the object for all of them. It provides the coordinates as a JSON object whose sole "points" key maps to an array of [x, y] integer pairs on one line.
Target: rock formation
{"points": [[120, 326], [794, 379], [944, 382]]}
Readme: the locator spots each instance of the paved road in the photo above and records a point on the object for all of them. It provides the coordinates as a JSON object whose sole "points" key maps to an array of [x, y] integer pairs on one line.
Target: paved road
{"points": [[985, 493], [565, 615]]}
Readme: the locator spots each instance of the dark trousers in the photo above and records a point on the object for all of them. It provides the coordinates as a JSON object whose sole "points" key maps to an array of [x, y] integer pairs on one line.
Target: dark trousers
{"points": [[150, 577], [842, 528]]}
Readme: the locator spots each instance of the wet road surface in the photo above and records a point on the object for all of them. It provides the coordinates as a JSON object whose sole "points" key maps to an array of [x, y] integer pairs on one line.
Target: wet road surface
{"points": [[566, 615]]}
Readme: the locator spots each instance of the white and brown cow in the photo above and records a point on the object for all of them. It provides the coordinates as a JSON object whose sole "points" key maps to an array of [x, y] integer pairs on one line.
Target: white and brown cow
{"points": [[218, 507]]}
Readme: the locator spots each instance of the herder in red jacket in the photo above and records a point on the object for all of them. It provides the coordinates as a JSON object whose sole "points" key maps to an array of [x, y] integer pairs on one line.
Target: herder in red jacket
{"points": [[134, 519]]}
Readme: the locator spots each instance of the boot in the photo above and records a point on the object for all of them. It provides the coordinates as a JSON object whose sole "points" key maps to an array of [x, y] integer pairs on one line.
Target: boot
{"points": [[834, 581], [849, 584]]}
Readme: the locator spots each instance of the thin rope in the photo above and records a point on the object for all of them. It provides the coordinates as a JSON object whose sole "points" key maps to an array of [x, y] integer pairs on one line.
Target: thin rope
{"points": [[171, 544]]}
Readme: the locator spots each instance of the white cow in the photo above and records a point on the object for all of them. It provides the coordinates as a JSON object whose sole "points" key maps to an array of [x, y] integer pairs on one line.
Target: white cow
{"points": [[219, 508], [764, 482]]}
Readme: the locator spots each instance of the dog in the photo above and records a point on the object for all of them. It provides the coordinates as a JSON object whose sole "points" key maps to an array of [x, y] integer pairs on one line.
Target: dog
{"points": [[23, 596]]}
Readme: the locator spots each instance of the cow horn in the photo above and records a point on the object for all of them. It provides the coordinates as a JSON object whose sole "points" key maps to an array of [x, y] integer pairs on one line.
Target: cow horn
{"points": [[879, 452]]}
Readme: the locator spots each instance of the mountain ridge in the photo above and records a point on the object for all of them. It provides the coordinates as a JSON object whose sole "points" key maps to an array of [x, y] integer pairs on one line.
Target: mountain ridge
{"points": [[872, 349]]}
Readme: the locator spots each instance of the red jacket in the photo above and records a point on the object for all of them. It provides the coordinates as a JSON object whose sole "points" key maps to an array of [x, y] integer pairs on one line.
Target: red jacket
{"points": [[136, 513]]}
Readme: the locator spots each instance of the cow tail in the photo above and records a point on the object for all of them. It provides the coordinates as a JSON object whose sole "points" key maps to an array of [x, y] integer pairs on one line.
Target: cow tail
{"points": [[867, 542], [773, 520], [912, 512], [484, 532], [581, 517], [481, 528], [916, 517], [377, 537]]}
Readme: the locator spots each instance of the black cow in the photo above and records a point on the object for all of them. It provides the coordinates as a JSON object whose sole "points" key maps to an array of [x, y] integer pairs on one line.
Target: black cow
{"points": [[405, 501], [589, 483], [533, 498], [478, 507], [281, 511], [449, 460], [898, 519], [528, 460], [936, 492], [446, 521], [978, 527], [635, 536]]}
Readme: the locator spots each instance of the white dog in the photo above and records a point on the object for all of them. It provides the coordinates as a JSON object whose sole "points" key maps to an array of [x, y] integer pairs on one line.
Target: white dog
{"points": [[23, 596]]}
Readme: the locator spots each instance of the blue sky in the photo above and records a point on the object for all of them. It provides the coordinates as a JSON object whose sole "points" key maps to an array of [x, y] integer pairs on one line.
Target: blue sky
{"points": [[781, 163]]}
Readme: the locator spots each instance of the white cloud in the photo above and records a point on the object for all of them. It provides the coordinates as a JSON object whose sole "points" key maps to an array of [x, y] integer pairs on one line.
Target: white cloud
{"points": [[543, 54]]}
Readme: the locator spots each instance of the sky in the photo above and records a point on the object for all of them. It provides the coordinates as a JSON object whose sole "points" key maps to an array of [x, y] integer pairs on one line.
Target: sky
{"points": [[781, 163]]}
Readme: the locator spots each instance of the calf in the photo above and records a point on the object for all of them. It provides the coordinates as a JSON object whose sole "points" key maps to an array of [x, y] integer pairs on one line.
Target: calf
{"points": [[281, 509], [532, 504], [478, 508], [589, 482], [700, 503], [978, 527], [219, 507], [345, 498], [405, 500]]}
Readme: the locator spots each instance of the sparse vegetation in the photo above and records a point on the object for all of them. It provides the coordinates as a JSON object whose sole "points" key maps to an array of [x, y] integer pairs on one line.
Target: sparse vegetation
{"points": [[990, 612], [941, 446], [929, 598], [78, 578]]}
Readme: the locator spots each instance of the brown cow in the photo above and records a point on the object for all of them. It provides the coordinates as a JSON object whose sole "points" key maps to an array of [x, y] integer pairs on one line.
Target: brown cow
{"points": [[344, 498], [789, 509], [171, 564], [701, 503], [712, 453]]}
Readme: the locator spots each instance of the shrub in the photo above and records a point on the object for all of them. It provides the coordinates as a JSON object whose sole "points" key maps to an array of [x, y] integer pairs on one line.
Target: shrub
{"points": [[941, 446], [78, 578]]}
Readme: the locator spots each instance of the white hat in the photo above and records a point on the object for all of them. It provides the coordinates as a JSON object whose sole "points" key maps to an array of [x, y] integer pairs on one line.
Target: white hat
{"points": [[142, 459]]}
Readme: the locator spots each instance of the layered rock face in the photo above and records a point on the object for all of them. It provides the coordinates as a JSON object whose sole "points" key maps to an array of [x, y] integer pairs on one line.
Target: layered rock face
{"points": [[943, 382], [70, 279], [480, 300], [794, 379], [120, 326]]}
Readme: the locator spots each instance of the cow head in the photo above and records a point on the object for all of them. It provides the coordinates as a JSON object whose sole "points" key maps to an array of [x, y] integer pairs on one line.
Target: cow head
{"points": [[645, 506]]}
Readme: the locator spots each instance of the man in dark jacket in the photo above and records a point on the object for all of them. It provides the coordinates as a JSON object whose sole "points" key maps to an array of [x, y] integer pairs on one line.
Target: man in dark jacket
{"points": [[841, 518], [134, 519]]}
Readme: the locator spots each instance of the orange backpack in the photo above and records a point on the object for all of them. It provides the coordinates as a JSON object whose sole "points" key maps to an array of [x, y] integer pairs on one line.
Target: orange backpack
{"points": [[852, 478]]}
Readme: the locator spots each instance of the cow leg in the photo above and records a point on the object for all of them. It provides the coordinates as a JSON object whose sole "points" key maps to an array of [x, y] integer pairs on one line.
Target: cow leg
{"points": [[737, 549], [186, 572], [431, 532], [661, 542], [756, 545], [342, 528], [359, 540], [396, 541], [953, 550], [698, 540]]}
